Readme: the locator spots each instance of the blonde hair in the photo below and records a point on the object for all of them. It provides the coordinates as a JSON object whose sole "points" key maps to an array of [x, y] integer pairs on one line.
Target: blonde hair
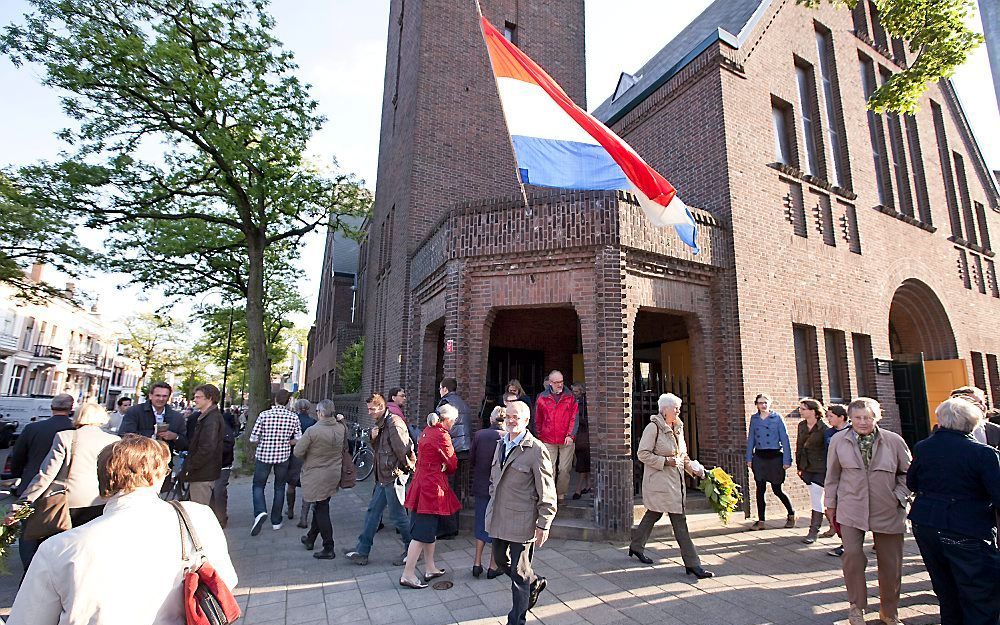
{"points": [[91, 414], [133, 462]]}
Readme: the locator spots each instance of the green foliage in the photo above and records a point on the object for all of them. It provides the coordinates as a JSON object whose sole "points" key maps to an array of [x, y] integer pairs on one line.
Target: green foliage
{"points": [[349, 368], [154, 341], [935, 31]]}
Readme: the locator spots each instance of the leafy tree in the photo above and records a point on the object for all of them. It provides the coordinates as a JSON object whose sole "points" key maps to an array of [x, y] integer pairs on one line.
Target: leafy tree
{"points": [[935, 31], [349, 368], [36, 234], [153, 340], [190, 133], [193, 372]]}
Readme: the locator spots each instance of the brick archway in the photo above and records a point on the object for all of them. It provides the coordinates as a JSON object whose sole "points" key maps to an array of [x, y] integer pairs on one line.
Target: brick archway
{"points": [[918, 322]]}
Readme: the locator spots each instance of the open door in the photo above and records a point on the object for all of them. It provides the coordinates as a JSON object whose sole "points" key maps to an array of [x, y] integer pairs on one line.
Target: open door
{"points": [[941, 378], [911, 397]]}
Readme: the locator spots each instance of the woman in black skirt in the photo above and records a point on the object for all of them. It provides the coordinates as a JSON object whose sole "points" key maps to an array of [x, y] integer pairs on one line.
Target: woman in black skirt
{"points": [[769, 456]]}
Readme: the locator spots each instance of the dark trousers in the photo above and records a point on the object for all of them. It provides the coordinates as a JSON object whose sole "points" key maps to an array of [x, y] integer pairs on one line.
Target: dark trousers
{"points": [[321, 524], [521, 575], [679, 524], [776, 489], [220, 497], [261, 471], [965, 575]]}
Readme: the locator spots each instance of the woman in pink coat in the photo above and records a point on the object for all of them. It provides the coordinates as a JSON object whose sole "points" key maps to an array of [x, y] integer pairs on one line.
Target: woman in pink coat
{"points": [[430, 496]]}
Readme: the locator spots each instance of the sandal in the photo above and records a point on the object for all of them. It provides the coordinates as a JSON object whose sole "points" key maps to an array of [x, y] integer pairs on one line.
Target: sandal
{"points": [[418, 585]]}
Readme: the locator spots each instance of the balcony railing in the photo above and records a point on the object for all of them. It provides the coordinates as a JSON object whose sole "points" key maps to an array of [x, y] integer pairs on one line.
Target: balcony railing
{"points": [[8, 343], [48, 351], [83, 358]]}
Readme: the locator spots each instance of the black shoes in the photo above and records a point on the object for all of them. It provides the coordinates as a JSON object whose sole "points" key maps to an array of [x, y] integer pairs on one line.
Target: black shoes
{"points": [[493, 573], [536, 589], [632, 553], [836, 552], [400, 561], [310, 543], [477, 570], [258, 524], [327, 554], [698, 572]]}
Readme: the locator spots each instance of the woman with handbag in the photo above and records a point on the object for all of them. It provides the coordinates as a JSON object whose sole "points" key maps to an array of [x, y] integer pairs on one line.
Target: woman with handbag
{"points": [[321, 451], [65, 492], [136, 544]]}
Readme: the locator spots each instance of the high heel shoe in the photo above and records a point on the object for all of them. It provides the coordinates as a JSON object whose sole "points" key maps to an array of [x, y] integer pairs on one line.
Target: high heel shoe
{"points": [[492, 573], [477, 570], [698, 572], [632, 553]]}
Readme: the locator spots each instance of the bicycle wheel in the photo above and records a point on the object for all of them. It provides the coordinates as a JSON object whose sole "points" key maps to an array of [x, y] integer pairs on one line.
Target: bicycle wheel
{"points": [[364, 462]]}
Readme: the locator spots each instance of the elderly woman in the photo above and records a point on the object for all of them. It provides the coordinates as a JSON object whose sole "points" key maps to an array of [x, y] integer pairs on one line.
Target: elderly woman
{"points": [[305, 411], [769, 455], [866, 491], [484, 446], [126, 564], [663, 453], [810, 459], [321, 450], [956, 483], [430, 496]]}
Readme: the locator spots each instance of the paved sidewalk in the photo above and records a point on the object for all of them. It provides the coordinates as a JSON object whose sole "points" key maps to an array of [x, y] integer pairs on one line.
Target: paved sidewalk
{"points": [[763, 577]]}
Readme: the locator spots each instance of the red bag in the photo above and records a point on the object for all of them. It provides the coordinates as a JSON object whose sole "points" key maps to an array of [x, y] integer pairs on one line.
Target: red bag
{"points": [[207, 598]]}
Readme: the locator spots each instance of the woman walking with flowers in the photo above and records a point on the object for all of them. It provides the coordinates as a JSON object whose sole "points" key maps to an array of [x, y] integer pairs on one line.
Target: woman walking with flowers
{"points": [[664, 455]]}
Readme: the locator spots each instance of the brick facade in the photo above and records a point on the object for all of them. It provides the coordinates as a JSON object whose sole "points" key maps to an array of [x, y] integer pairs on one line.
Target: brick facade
{"points": [[452, 250]]}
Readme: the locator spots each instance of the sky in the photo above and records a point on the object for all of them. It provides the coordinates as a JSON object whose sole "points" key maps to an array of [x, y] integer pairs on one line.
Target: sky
{"points": [[340, 48]]}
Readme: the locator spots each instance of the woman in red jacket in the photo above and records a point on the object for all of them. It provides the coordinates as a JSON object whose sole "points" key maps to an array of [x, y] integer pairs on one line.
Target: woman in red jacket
{"points": [[430, 496]]}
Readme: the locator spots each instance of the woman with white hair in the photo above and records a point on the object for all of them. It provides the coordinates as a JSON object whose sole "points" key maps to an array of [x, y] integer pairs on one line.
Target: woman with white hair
{"points": [[866, 492], [663, 453], [72, 465], [956, 482], [430, 497]]}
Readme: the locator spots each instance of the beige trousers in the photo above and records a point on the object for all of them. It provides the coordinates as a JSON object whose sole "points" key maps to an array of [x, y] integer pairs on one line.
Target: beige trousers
{"points": [[201, 492], [889, 559], [562, 463]]}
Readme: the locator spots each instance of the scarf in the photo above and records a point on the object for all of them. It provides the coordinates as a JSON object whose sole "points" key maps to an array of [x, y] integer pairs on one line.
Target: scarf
{"points": [[865, 444]]}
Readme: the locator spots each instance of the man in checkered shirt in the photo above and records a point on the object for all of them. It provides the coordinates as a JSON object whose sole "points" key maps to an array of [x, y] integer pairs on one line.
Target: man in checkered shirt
{"points": [[275, 431]]}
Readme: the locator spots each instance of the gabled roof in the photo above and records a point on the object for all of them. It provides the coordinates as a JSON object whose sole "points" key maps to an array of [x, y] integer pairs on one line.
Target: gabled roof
{"points": [[724, 20]]}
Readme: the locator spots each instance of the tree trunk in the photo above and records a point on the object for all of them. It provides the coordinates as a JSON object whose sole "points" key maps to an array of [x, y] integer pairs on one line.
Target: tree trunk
{"points": [[259, 371]]}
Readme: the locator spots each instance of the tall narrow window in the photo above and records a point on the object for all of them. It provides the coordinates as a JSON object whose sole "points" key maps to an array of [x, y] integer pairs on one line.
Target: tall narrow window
{"points": [[984, 233], [510, 32], [898, 51], [836, 364], [944, 155], [780, 116], [810, 118], [864, 366], [901, 175], [877, 135], [917, 164], [963, 192], [860, 18], [805, 360], [978, 370], [840, 174], [994, 371], [878, 33]]}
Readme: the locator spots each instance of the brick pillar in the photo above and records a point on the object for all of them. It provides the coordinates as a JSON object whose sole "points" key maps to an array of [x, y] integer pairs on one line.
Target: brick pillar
{"points": [[608, 353]]}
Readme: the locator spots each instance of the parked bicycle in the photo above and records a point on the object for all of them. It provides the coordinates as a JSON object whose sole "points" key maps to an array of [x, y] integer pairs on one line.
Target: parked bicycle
{"points": [[361, 450]]}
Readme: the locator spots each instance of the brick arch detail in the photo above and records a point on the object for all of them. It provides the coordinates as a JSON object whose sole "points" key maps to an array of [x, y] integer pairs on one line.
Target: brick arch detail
{"points": [[920, 321]]}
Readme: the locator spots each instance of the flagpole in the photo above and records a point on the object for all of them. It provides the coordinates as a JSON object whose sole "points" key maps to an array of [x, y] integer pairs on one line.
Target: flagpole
{"points": [[510, 140]]}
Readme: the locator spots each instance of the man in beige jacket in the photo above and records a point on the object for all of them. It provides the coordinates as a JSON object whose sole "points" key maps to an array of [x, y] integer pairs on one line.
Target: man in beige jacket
{"points": [[521, 509], [866, 491]]}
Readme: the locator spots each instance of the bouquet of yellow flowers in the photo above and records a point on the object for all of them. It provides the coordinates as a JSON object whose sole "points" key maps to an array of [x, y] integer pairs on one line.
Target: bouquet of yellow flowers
{"points": [[722, 492], [8, 533]]}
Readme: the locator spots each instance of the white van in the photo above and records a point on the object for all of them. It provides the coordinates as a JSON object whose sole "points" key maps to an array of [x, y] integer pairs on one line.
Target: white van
{"points": [[23, 410]]}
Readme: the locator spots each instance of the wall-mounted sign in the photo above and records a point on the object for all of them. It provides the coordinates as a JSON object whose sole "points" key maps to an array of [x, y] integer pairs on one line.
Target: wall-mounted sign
{"points": [[449, 346], [883, 367]]}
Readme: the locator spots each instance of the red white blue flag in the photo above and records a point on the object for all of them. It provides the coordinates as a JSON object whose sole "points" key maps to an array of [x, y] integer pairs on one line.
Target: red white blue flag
{"points": [[558, 144]]}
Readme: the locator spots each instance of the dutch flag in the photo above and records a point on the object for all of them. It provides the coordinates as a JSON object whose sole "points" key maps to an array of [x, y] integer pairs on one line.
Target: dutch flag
{"points": [[558, 144]]}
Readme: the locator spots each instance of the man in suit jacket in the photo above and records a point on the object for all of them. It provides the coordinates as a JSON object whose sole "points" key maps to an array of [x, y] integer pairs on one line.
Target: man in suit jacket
{"points": [[30, 450], [142, 418], [523, 497]]}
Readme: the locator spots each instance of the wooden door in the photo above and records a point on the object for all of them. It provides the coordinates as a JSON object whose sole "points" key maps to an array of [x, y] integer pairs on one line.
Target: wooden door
{"points": [[941, 378]]}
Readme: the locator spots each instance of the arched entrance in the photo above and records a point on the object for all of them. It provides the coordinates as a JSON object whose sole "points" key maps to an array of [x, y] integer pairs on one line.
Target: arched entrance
{"points": [[925, 363]]}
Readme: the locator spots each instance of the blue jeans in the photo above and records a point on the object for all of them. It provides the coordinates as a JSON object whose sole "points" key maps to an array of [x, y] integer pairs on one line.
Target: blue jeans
{"points": [[261, 471], [965, 575], [384, 496]]}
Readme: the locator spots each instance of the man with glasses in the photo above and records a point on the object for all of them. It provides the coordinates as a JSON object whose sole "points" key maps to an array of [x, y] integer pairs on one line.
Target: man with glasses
{"points": [[557, 421]]}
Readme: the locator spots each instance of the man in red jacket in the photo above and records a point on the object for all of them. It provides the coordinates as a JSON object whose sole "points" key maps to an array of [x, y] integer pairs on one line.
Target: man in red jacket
{"points": [[556, 423]]}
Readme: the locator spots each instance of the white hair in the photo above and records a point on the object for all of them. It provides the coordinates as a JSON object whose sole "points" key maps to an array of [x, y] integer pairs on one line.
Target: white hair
{"points": [[958, 414], [520, 409], [669, 400], [446, 412]]}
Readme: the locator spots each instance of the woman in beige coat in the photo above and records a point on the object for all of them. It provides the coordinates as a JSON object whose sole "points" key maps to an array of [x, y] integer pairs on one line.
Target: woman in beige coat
{"points": [[321, 449], [866, 491], [664, 455]]}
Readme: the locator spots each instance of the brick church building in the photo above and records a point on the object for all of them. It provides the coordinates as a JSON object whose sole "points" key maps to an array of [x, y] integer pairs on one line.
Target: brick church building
{"points": [[843, 253]]}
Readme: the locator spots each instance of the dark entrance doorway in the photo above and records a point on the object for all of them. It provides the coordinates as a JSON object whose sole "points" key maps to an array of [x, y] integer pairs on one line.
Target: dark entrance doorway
{"points": [[911, 397], [661, 364]]}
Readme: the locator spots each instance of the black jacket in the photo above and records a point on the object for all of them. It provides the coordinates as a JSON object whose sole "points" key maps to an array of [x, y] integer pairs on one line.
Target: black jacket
{"points": [[206, 452], [33, 445], [461, 435], [139, 419]]}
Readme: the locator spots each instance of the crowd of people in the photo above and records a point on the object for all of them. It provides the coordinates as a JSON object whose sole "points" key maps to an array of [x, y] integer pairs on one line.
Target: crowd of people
{"points": [[860, 478]]}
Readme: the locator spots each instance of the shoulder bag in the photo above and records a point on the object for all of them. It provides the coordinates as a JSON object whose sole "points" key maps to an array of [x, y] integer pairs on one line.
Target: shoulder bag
{"points": [[207, 598], [348, 472], [51, 510]]}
